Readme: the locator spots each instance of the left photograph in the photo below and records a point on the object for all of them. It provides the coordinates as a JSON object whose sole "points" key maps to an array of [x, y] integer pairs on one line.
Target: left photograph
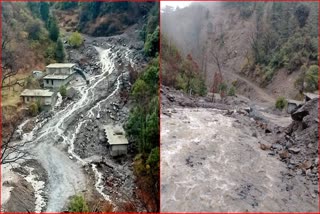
{"points": [[80, 107]]}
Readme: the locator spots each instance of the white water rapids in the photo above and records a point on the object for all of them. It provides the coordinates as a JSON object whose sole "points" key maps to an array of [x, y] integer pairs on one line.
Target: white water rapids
{"points": [[65, 172]]}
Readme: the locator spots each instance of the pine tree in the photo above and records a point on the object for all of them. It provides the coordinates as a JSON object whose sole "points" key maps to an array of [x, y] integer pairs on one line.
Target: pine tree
{"points": [[53, 30], [59, 54], [44, 11]]}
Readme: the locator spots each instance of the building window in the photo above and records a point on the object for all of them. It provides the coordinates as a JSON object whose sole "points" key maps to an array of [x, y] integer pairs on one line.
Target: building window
{"points": [[27, 99], [47, 82], [51, 82]]}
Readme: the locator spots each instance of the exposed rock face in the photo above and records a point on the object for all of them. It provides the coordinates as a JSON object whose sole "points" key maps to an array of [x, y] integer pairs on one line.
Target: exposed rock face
{"points": [[310, 108]]}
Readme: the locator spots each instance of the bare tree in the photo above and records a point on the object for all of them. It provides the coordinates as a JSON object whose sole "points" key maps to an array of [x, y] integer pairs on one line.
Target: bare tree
{"points": [[10, 59], [12, 152]]}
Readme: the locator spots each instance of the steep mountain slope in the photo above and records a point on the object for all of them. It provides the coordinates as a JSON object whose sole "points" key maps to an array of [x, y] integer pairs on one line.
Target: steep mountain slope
{"points": [[101, 18], [26, 46], [252, 40], [122, 69]]}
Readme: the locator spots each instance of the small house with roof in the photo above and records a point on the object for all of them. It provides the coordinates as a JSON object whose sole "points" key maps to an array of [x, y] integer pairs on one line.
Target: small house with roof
{"points": [[44, 96], [58, 74], [117, 141], [61, 68]]}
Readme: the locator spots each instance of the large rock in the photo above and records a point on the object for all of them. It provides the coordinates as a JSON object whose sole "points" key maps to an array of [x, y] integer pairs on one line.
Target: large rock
{"points": [[72, 93], [310, 108]]}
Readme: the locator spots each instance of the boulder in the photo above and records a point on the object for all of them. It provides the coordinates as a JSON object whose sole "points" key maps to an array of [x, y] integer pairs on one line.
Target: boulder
{"points": [[71, 93], [284, 154], [309, 108]]}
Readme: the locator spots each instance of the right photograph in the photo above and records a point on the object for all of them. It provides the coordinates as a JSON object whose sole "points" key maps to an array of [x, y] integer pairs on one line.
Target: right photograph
{"points": [[239, 106]]}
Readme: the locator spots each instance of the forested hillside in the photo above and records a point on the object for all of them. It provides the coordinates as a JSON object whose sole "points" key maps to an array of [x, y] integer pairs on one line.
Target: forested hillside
{"points": [[108, 53], [30, 41], [143, 125], [252, 40], [102, 18], [180, 72]]}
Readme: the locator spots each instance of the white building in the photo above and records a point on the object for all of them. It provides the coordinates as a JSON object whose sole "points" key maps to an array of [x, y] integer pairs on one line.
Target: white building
{"points": [[58, 74], [61, 68], [55, 81], [117, 140], [44, 96]]}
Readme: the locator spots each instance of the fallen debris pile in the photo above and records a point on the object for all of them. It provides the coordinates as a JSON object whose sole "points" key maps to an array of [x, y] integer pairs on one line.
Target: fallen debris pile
{"points": [[298, 147]]}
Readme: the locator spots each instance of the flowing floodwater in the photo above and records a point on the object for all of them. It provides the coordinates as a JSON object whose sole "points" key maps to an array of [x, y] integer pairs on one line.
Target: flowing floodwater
{"points": [[49, 138], [212, 163]]}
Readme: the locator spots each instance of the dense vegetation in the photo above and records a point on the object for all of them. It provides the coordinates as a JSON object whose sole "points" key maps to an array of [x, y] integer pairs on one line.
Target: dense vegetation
{"points": [[150, 32], [143, 129], [178, 72], [75, 40], [143, 126], [41, 10], [288, 43], [281, 102], [106, 18]]}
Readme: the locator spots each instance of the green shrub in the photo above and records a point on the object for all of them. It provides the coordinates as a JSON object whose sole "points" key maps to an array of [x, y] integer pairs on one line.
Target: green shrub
{"points": [[311, 78], [40, 106], [78, 204], [281, 103], [222, 88], [63, 91], [75, 40], [151, 46], [232, 91], [268, 75], [32, 83], [181, 82], [59, 52], [34, 109]]}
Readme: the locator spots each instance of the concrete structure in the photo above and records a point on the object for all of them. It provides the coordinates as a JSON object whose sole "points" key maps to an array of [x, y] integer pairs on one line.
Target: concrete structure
{"points": [[310, 96], [117, 140], [293, 105], [55, 81], [58, 74], [61, 68], [44, 96]]}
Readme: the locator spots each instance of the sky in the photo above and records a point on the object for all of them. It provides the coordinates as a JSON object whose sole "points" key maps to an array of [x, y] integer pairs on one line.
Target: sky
{"points": [[175, 4]]}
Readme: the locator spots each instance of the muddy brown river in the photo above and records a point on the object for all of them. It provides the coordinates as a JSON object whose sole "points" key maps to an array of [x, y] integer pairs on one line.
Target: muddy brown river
{"points": [[209, 164]]}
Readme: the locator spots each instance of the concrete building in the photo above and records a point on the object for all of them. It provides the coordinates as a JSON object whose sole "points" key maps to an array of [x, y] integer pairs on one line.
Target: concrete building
{"points": [[55, 81], [61, 68], [58, 74], [118, 143], [44, 96]]}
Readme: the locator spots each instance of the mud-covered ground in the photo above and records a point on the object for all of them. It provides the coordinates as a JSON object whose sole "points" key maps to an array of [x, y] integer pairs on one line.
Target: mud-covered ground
{"points": [[224, 156]]}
